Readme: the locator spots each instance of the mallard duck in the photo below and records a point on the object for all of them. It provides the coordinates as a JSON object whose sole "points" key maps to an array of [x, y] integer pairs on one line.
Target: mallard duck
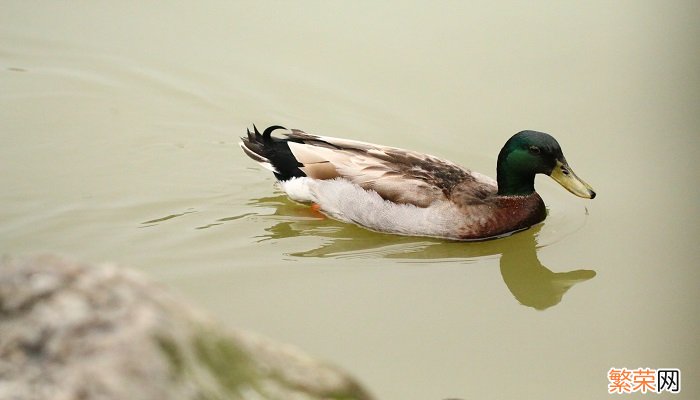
{"points": [[393, 190]]}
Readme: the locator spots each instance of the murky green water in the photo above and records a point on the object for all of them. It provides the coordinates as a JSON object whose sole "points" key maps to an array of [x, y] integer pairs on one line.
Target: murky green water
{"points": [[119, 125]]}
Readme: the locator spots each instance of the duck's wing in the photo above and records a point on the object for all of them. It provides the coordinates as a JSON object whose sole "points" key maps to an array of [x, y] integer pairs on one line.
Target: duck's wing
{"points": [[397, 175]]}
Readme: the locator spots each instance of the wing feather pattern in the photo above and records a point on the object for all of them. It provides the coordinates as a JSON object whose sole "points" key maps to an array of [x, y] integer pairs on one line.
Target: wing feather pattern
{"points": [[397, 175]]}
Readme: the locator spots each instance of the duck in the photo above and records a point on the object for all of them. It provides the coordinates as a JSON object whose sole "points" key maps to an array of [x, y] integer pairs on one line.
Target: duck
{"points": [[398, 191]]}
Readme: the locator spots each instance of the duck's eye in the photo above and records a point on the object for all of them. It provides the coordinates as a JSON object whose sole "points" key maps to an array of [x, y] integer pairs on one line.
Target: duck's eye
{"points": [[534, 150]]}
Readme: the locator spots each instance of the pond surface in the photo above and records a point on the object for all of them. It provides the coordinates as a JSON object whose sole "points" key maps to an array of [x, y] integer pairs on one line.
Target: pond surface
{"points": [[120, 122]]}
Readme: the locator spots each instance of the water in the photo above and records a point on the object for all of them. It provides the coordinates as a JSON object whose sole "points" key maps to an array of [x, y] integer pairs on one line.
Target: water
{"points": [[119, 126]]}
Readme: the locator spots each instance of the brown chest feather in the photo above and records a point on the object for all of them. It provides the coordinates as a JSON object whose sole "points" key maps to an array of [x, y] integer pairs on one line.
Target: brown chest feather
{"points": [[501, 215]]}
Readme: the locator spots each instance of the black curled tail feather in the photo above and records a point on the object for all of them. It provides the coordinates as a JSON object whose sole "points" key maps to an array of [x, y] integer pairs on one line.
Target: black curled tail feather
{"points": [[267, 133], [273, 153]]}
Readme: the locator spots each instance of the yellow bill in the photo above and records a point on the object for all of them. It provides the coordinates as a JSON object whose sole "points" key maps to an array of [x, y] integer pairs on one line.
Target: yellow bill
{"points": [[566, 177]]}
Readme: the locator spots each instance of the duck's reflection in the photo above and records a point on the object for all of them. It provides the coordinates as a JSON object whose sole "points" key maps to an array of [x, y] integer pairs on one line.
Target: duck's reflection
{"points": [[532, 284]]}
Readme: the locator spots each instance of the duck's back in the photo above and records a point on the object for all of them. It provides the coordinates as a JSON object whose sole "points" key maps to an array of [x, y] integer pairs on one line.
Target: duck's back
{"points": [[397, 175]]}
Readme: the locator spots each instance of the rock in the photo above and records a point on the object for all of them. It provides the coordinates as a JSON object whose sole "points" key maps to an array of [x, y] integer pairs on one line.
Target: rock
{"points": [[75, 331]]}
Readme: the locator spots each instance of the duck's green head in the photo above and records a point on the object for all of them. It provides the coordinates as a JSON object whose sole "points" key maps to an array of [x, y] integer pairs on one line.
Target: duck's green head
{"points": [[528, 153]]}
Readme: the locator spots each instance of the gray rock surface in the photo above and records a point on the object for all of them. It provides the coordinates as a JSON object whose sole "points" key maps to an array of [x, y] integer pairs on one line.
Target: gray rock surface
{"points": [[76, 331]]}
